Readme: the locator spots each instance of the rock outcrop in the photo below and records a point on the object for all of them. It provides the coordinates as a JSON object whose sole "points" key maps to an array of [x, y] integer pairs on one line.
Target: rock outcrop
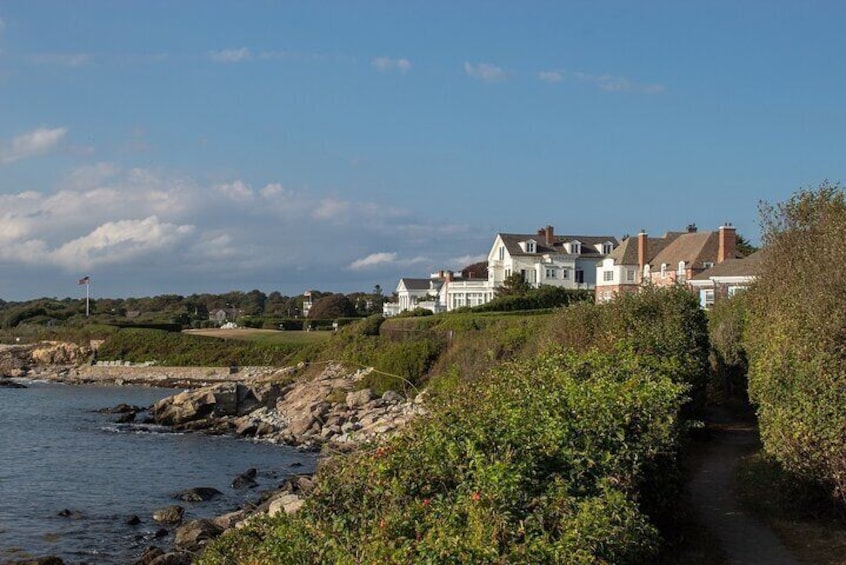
{"points": [[331, 408]]}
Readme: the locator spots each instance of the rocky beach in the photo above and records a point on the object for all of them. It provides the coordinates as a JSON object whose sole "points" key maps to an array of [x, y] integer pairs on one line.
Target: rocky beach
{"points": [[308, 407]]}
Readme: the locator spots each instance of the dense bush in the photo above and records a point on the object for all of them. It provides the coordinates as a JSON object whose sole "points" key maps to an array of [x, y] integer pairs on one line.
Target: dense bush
{"points": [[331, 307], [177, 349], [540, 462], [729, 364], [534, 299], [796, 333]]}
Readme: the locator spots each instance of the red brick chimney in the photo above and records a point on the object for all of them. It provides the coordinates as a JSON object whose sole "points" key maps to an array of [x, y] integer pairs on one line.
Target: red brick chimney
{"points": [[549, 232], [727, 243], [642, 250]]}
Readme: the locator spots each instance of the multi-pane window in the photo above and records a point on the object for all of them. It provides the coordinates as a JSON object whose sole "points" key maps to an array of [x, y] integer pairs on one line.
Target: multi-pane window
{"points": [[551, 273], [607, 276]]}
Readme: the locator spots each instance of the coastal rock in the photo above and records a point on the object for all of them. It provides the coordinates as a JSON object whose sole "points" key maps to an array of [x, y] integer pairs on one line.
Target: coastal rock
{"points": [[121, 408], [60, 353], [195, 534], [359, 397], [287, 503], [197, 494], [49, 560], [172, 558], [245, 480], [133, 520], [150, 554], [169, 515], [8, 383], [392, 397]]}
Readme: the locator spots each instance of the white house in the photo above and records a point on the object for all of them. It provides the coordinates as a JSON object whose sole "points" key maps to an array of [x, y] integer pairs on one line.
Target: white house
{"points": [[726, 279], [567, 261], [544, 258]]}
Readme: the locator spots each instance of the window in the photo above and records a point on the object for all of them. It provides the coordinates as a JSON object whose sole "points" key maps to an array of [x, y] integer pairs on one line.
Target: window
{"points": [[607, 248], [565, 274], [708, 264], [575, 248], [630, 275], [663, 269], [501, 252], [732, 290], [706, 298], [580, 276], [607, 276], [551, 273], [530, 247]]}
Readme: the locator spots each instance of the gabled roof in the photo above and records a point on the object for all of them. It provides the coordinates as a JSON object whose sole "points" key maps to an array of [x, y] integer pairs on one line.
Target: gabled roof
{"points": [[695, 249], [512, 243], [416, 284], [626, 252], [744, 267]]}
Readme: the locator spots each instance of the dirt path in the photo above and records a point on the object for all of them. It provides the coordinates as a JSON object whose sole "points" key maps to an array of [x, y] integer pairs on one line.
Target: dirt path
{"points": [[742, 538]]}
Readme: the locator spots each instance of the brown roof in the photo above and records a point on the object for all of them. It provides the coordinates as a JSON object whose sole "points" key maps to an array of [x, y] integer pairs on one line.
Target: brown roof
{"points": [[626, 253], [695, 249], [744, 267]]}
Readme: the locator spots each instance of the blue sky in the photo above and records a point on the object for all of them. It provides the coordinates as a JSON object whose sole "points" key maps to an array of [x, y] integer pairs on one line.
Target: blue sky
{"points": [[206, 146]]}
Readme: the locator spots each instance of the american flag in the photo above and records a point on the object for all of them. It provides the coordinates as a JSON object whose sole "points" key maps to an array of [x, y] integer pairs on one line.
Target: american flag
{"points": [[84, 280]]}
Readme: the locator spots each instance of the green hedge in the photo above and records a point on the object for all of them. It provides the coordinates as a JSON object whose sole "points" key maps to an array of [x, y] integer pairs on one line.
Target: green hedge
{"points": [[177, 349], [542, 297]]}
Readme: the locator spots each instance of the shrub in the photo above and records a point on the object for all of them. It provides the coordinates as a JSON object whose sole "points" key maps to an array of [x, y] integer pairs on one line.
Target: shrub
{"points": [[540, 462], [726, 323], [534, 299], [795, 335], [331, 307]]}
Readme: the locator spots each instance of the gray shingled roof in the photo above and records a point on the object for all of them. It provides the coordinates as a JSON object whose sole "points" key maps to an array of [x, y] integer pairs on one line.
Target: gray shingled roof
{"points": [[512, 243], [744, 267], [416, 284]]}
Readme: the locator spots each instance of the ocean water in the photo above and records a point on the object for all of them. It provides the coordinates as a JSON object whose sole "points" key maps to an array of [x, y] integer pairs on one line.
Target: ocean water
{"points": [[57, 453]]}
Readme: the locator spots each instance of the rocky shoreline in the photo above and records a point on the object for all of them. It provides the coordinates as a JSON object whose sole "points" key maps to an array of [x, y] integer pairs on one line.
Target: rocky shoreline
{"points": [[305, 407]]}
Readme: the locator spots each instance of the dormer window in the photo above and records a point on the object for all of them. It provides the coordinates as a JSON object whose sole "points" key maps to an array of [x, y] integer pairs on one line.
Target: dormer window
{"points": [[576, 247], [681, 270], [531, 247], [663, 269], [607, 248]]}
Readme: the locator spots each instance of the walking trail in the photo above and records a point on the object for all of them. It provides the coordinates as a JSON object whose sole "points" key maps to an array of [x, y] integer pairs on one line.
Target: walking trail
{"points": [[743, 538]]}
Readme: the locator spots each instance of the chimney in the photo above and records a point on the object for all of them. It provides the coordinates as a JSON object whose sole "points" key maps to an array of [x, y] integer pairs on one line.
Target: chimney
{"points": [[691, 228], [549, 232], [727, 243], [642, 244]]}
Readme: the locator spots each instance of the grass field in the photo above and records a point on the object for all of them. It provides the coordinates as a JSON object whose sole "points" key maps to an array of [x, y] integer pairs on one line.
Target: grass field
{"points": [[271, 337]]}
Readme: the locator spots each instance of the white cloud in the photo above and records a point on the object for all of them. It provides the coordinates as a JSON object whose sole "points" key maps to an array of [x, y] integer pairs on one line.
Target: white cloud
{"points": [[373, 260], [71, 60], [119, 242], [272, 190], [551, 76], [238, 191], [606, 82], [330, 208], [31, 144], [485, 72], [386, 64], [230, 55]]}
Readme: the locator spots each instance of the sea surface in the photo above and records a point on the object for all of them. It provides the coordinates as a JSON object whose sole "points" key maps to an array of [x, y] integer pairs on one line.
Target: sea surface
{"points": [[57, 453]]}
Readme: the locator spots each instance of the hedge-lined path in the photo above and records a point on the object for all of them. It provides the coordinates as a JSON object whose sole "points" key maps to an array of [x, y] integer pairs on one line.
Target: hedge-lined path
{"points": [[743, 538]]}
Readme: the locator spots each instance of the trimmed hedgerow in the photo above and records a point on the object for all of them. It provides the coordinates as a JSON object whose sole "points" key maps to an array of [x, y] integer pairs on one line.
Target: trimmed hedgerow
{"points": [[178, 349], [540, 462]]}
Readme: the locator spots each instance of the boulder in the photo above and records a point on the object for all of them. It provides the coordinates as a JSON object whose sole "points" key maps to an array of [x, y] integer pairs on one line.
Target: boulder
{"points": [[197, 494], [8, 383], [245, 480], [149, 555], [172, 558], [195, 534], [133, 520], [287, 503], [301, 424], [121, 408], [392, 397], [169, 514], [359, 397], [193, 405]]}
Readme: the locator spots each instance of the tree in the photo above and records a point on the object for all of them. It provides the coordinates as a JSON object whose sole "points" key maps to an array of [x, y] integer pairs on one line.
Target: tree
{"points": [[332, 306], [513, 285], [744, 246], [795, 333]]}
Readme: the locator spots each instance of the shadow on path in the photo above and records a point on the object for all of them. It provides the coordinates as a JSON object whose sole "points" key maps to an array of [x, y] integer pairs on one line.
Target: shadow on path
{"points": [[741, 536]]}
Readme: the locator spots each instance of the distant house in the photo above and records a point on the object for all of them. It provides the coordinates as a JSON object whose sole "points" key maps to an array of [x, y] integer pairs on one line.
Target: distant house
{"points": [[541, 258], [307, 303], [676, 257], [726, 279], [222, 315]]}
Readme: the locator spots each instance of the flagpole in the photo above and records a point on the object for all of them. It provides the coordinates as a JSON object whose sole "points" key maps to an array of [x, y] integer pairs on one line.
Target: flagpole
{"points": [[87, 295]]}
